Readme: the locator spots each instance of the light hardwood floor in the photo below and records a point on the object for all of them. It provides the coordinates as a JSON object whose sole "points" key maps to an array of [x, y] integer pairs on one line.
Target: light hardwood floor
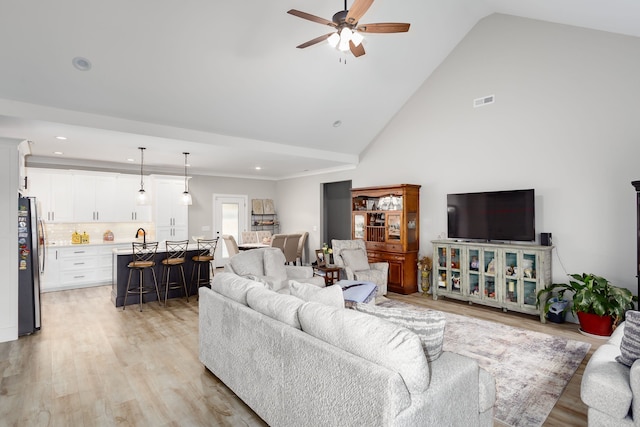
{"points": [[95, 365]]}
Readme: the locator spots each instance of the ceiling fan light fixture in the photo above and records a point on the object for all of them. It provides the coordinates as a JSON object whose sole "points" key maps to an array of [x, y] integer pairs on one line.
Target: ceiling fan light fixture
{"points": [[333, 40], [356, 38]]}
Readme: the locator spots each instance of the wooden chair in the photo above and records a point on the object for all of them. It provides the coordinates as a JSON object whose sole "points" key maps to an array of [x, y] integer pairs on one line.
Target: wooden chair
{"points": [[176, 251], [143, 258]]}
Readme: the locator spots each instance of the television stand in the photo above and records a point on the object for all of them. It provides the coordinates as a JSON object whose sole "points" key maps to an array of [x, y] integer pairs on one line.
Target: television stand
{"points": [[501, 275]]}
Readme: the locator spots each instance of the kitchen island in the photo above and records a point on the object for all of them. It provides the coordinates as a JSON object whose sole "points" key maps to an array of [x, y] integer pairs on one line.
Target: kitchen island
{"points": [[122, 258]]}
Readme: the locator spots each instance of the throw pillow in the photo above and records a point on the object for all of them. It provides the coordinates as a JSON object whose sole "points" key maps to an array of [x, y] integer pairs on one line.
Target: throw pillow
{"points": [[355, 259], [428, 325], [331, 295], [274, 305], [233, 286], [630, 344]]}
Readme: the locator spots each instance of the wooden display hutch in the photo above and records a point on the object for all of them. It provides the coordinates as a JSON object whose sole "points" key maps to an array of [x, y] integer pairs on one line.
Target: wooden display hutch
{"points": [[387, 219]]}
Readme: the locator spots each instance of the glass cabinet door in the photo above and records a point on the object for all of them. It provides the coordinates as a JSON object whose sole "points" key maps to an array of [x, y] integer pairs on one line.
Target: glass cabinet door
{"points": [[358, 226], [474, 273], [456, 273], [489, 264], [529, 278], [509, 285], [440, 277]]}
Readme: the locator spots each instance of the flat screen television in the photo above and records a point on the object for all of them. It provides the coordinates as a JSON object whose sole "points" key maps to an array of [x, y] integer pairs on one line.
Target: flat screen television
{"points": [[494, 215]]}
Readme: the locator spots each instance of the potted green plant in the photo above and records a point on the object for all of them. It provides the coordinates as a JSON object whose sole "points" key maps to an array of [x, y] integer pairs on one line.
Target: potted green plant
{"points": [[599, 305]]}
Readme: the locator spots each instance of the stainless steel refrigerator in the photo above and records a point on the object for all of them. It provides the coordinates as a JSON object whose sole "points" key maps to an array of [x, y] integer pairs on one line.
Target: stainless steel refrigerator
{"points": [[30, 247]]}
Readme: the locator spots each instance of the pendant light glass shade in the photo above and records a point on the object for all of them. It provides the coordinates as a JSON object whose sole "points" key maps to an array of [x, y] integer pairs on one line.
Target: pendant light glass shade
{"points": [[142, 198], [186, 197]]}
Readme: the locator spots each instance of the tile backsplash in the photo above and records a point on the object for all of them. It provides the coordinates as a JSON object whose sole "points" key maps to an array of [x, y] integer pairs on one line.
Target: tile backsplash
{"points": [[60, 233]]}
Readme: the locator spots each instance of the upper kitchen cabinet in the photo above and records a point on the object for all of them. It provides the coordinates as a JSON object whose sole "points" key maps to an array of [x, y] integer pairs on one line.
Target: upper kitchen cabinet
{"points": [[53, 191], [171, 216], [128, 208], [94, 196]]}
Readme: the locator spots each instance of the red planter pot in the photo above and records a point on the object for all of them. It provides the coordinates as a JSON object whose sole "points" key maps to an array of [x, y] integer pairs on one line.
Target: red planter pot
{"points": [[596, 325]]}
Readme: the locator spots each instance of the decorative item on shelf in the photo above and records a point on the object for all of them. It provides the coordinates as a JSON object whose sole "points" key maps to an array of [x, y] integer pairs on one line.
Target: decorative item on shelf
{"points": [[425, 264], [442, 280], [474, 265], [84, 238], [599, 305], [107, 236], [76, 238], [186, 196], [327, 251], [142, 199]]}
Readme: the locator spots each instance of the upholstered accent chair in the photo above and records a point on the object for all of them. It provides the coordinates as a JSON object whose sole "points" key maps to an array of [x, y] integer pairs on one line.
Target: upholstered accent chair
{"points": [[351, 256]]}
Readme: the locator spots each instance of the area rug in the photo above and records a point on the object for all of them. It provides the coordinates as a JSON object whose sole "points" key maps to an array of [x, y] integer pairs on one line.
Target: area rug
{"points": [[531, 368]]}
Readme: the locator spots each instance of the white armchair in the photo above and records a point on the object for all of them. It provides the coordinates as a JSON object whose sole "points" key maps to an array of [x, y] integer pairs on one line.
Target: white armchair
{"points": [[351, 256]]}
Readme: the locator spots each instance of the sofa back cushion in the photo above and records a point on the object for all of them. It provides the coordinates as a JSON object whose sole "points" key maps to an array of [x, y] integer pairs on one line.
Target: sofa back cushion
{"points": [[371, 338], [233, 286], [330, 295], [274, 305], [355, 259], [428, 325], [248, 262]]}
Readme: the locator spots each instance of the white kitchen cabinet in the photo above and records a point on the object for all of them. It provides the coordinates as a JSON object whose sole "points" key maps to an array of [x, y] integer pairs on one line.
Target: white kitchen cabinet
{"points": [[127, 208], [171, 216], [94, 197], [53, 191], [50, 276]]}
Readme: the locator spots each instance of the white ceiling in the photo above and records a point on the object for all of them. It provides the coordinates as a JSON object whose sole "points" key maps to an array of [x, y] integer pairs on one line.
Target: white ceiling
{"points": [[224, 81]]}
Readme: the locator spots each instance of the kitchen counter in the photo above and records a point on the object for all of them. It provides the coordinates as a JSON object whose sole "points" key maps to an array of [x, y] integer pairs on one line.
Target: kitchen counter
{"points": [[122, 257], [68, 244]]}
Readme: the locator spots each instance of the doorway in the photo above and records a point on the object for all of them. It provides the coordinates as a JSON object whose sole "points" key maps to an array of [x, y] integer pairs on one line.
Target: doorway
{"points": [[229, 217], [336, 207]]}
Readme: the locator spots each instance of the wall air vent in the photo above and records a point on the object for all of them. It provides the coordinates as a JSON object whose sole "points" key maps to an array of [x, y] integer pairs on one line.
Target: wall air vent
{"points": [[481, 102]]}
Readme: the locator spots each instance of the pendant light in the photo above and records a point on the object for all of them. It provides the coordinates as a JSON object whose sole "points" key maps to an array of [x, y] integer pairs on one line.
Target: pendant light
{"points": [[142, 199], [186, 197]]}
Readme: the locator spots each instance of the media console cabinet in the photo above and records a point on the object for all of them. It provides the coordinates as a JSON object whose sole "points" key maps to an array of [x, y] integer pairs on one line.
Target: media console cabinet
{"points": [[506, 276]]}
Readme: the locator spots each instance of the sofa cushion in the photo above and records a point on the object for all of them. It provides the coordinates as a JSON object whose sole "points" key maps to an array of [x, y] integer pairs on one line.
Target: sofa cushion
{"points": [[355, 259], [630, 344], [274, 305], [274, 263], [248, 262], [330, 295], [428, 325], [233, 286], [371, 338]]}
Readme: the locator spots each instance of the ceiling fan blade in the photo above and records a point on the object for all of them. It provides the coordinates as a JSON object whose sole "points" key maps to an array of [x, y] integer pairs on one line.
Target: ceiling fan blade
{"points": [[384, 27], [356, 50], [358, 8], [314, 41], [310, 17]]}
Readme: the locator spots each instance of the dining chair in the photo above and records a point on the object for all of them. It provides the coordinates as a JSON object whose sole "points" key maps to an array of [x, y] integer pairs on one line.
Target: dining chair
{"points": [[231, 244], [278, 241], [291, 248]]}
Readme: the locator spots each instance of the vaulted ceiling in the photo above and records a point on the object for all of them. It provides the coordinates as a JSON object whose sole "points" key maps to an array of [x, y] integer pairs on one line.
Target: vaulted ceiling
{"points": [[224, 80]]}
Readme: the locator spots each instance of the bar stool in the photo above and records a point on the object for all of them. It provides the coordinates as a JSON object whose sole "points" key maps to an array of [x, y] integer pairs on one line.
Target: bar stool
{"points": [[206, 253], [143, 258], [176, 250]]}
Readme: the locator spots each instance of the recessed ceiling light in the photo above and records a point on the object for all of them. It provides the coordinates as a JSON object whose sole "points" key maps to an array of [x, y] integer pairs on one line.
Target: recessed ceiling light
{"points": [[130, 160], [82, 64], [337, 124], [258, 168], [59, 153], [63, 138]]}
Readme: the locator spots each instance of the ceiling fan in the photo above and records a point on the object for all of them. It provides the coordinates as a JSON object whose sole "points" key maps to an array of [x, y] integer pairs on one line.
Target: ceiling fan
{"points": [[347, 31]]}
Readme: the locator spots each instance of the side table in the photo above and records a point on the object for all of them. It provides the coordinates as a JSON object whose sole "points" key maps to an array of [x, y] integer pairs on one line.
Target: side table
{"points": [[331, 273]]}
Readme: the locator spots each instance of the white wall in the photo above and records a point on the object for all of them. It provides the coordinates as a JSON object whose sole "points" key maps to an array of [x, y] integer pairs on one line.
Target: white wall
{"points": [[565, 122], [9, 239]]}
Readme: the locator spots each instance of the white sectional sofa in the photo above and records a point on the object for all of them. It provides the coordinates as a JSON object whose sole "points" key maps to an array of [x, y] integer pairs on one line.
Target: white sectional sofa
{"points": [[610, 389], [297, 363]]}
